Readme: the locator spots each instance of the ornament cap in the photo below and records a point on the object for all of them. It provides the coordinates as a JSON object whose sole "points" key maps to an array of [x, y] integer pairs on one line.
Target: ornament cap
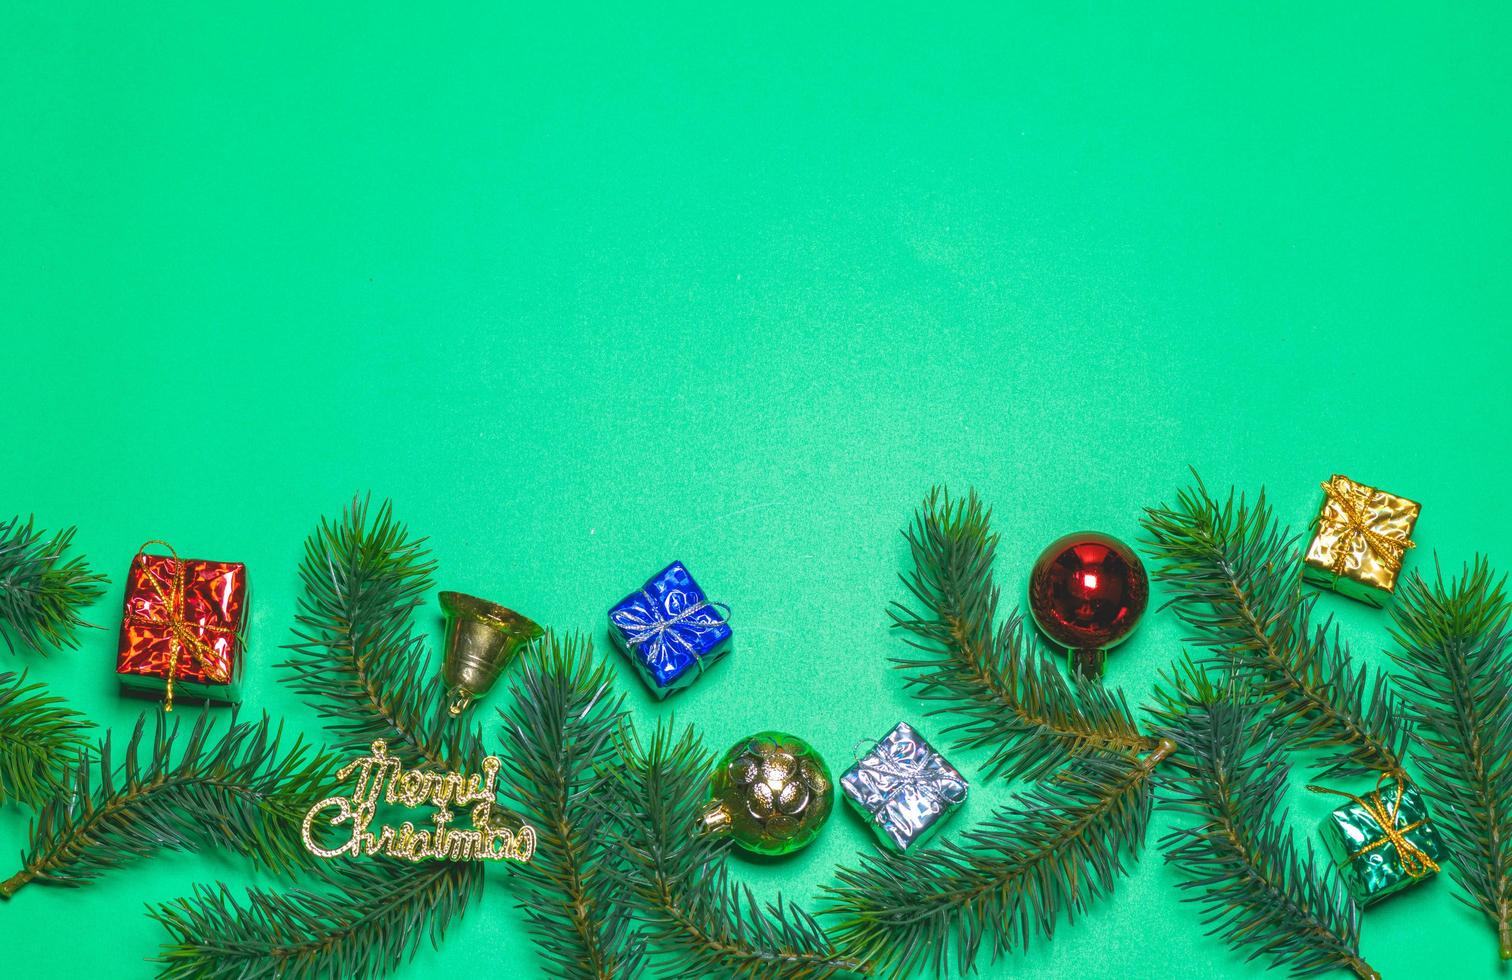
{"points": [[1088, 662], [715, 818]]}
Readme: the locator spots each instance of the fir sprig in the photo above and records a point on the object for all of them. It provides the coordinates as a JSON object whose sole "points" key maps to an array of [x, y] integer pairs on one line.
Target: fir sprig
{"points": [[1052, 853], [559, 740], [1235, 578], [1456, 659], [39, 737], [1256, 888], [1011, 697], [677, 883], [243, 790], [370, 920], [40, 593], [357, 659]]}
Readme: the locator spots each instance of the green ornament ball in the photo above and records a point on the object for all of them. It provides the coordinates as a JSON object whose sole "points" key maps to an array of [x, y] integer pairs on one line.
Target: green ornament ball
{"points": [[772, 793]]}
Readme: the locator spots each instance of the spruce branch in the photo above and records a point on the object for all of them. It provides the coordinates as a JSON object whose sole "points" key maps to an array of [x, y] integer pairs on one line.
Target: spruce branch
{"points": [[1011, 697], [40, 593], [357, 659], [39, 736], [1235, 577], [359, 663], [560, 741], [369, 921], [1053, 852], [1456, 657], [243, 790], [1256, 889], [678, 885]]}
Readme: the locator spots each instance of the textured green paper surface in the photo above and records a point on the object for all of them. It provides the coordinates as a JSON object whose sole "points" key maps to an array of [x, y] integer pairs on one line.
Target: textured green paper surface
{"points": [[588, 291]]}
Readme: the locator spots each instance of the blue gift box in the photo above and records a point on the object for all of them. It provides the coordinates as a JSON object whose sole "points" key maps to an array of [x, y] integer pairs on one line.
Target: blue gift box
{"points": [[670, 630]]}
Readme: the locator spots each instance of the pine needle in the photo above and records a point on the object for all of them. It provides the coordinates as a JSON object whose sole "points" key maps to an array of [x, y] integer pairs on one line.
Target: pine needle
{"points": [[1050, 855], [243, 791], [1235, 578], [676, 880], [1256, 889], [40, 593], [369, 922], [39, 737], [559, 738], [357, 659], [1456, 658], [1012, 698]]}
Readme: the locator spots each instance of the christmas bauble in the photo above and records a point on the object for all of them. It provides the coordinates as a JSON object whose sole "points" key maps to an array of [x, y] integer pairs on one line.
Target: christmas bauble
{"points": [[771, 792], [1087, 591]]}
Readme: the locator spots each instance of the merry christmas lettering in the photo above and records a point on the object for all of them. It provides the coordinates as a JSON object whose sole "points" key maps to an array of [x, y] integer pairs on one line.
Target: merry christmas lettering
{"points": [[380, 773]]}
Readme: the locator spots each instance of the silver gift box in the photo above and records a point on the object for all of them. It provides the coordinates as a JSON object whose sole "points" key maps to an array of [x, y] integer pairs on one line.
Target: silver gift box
{"points": [[904, 788]]}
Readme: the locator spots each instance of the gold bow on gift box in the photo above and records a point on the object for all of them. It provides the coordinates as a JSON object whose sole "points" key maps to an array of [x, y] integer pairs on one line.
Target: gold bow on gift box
{"points": [[1363, 534], [1415, 862], [184, 635]]}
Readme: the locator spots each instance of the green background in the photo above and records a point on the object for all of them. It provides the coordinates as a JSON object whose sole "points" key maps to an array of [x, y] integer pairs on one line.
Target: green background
{"points": [[588, 290]]}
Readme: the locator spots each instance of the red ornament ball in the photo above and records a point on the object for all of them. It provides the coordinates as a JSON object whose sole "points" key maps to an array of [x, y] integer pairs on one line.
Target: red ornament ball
{"points": [[1087, 592]]}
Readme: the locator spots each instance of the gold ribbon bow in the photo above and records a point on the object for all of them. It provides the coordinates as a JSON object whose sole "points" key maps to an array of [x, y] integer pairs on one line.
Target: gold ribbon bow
{"points": [[183, 635], [1345, 494], [1415, 861]]}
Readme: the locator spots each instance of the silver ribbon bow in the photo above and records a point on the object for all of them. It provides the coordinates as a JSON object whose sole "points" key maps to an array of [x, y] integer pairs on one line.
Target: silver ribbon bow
{"points": [[662, 634], [909, 764]]}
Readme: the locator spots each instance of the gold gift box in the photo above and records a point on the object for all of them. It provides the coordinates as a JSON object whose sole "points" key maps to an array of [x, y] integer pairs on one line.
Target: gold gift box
{"points": [[1361, 537]]}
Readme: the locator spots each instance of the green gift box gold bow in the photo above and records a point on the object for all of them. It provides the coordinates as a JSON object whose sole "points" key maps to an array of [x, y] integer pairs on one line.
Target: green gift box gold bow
{"points": [[1382, 842]]}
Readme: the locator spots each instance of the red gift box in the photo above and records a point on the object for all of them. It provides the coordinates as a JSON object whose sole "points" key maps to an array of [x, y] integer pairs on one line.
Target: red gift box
{"points": [[183, 627]]}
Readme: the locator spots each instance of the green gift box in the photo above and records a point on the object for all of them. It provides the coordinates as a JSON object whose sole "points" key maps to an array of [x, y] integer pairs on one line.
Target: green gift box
{"points": [[1382, 842]]}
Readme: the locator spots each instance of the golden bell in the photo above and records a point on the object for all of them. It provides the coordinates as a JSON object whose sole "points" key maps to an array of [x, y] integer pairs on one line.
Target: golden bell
{"points": [[482, 637]]}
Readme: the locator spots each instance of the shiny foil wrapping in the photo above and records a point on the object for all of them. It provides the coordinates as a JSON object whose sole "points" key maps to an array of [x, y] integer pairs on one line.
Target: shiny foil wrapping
{"points": [[904, 788], [1370, 867], [670, 630], [1362, 534], [214, 608]]}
